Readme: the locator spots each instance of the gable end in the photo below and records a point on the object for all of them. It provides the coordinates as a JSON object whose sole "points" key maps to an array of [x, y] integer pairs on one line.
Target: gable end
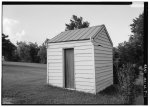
{"points": [[102, 30]]}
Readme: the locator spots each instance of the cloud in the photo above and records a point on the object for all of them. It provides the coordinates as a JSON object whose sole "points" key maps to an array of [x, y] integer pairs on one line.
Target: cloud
{"points": [[8, 25], [11, 27], [19, 35]]}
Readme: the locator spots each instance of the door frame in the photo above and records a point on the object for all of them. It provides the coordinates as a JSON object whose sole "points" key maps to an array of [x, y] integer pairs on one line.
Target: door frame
{"points": [[63, 67]]}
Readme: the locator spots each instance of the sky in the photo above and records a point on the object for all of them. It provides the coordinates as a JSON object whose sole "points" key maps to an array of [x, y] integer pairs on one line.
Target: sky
{"points": [[35, 23]]}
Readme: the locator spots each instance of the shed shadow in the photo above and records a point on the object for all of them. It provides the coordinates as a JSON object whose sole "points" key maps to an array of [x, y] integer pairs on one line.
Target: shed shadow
{"points": [[111, 90]]}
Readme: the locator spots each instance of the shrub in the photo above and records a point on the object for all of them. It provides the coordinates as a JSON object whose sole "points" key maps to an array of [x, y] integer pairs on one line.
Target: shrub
{"points": [[126, 79]]}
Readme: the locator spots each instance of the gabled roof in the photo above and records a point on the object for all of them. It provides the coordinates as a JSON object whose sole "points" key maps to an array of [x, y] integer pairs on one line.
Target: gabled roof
{"points": [[77, 35]]}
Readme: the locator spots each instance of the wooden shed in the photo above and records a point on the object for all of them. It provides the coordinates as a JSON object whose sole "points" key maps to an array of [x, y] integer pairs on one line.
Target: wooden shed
{"points": [[81, 59]]}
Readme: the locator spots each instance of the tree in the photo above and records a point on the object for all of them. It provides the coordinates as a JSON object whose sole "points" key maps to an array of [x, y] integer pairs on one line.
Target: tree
{"points": [[127, 77], [34, 52], [23, 51], [76, 23], [136, 40], [7, 48], [28, 52], [132, 50], [42, 53]]}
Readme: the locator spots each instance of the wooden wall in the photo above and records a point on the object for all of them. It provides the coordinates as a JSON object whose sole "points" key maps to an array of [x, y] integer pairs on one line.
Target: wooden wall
{"points": [[103, 60], [83, 66]]}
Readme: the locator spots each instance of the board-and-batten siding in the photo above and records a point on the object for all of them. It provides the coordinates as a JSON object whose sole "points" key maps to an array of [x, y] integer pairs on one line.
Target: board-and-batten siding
{"points": [[83, 65], [103, 61]]}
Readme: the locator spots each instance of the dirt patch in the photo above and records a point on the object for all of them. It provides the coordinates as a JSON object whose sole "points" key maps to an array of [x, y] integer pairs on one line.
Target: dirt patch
{"points": [[7, 101]]}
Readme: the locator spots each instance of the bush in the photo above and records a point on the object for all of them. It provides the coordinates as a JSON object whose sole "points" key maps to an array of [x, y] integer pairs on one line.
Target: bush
{"points": [[126, 79]]}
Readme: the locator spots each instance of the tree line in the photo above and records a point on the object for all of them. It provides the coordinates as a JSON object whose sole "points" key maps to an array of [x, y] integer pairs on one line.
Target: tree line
{"points": [[23, 51], [128, 51], [132, 51], [31, 52]]}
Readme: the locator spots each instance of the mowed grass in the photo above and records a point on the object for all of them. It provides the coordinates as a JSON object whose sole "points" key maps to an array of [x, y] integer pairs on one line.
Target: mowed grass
{"points": [[25, 83]]}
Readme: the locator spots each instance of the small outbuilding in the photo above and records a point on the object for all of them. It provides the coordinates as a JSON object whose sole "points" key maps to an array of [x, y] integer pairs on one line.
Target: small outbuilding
{"points": [[81, 59]]}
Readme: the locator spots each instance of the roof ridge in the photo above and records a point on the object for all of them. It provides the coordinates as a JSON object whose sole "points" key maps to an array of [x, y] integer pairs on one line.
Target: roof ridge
{"points": [[84, 28]]}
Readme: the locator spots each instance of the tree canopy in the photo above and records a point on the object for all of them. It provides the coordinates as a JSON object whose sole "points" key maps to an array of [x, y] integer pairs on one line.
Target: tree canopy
{"points": [[77, 23], [7, 47], [132, 50]]}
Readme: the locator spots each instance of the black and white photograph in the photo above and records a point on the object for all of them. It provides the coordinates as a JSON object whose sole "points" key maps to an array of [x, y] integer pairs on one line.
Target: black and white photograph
{"points": [[74, 53]]}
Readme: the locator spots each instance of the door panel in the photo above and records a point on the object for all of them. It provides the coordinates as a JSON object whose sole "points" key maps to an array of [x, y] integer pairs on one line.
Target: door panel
{"points": [[69, 68]]}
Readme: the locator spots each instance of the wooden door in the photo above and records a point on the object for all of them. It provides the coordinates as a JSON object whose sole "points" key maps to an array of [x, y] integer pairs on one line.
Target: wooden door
{"points": [[69, 68]]}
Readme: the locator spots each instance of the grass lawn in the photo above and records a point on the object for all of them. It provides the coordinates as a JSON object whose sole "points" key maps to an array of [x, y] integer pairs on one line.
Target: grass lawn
{"points": [[25, 83]]}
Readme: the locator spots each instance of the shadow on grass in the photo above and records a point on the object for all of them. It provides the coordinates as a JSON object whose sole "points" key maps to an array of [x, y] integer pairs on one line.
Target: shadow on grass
{"points": [[111, 90]]}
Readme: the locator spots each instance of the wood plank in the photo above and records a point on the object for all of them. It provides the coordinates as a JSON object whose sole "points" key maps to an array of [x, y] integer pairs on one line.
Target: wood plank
{"points": [[51, 65], [84, 67], [102, 49], [82, 83], [99, 70], [85, 80], [103, 70], [83, 51], [55, 74], [69, 44], [84, 77], [83, 54], [83, 47], [103, 81], [103, 55], [103, 65], [102, 45], [55, 70], [90, 75], [101, 41], [83, 71], [102, 37], [55, 57], [78, 87], [83, 58], [103, 52], [55, 67], [103, 77], [55, 53], [84, 63], [53, 61], [103, 60]]}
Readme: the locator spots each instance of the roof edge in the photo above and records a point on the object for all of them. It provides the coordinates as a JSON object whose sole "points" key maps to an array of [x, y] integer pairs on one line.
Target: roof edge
{"points": [[69, 41]]}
